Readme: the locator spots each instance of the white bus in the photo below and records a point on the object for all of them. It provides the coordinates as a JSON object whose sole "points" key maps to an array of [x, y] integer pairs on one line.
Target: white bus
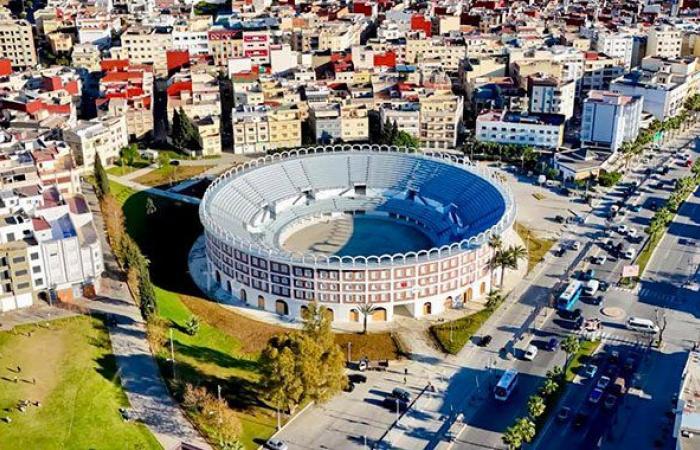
{"points": [[506, 385]]}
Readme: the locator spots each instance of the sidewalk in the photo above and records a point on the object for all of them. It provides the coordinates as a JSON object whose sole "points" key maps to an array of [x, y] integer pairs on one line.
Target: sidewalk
{"points": [[155, 191], [140, 377]]}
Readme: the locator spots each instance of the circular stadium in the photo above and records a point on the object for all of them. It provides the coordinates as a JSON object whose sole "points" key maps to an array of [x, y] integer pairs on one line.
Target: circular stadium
{"points": [[348, 225]]}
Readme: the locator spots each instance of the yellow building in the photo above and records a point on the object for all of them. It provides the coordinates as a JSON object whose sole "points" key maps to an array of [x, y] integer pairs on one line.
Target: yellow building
{"points": [[440, 120], [86, 56], [145, 45], [16, 41], [209, 129], [258, 129], [60, 42], [354, 123]]}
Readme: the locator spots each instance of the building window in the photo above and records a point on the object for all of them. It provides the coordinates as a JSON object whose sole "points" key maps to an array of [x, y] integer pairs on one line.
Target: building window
{"points": [[36, 269], [19, 259], [22, 286]]}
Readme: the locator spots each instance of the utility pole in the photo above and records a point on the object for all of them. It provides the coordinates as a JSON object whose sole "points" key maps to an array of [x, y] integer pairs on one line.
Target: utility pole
{"points": [[349, 351], [279, 424], [218, 393], [397, 411]]}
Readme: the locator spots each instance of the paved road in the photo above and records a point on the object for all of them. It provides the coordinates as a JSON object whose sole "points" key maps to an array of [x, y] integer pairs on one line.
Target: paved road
{"points": [[639, 420], [138, 371]]}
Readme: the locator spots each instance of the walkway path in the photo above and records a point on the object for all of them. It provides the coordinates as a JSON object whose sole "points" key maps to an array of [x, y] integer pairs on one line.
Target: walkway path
{"points": [[139, 373], [154, 191]]}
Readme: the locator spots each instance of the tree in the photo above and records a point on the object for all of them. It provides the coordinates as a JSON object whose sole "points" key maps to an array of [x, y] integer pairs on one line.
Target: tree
{"points": [[130, 153], [549, 387], [526, 428], [163, 159], [404, 139], [147, 295], [394, 132], [178, 131], [192, 326], [101, 177], [366, 309], [512, 438], [509, 259], [386, 133], [571, 345], [493, 299], [535, 406], [303, 365]]}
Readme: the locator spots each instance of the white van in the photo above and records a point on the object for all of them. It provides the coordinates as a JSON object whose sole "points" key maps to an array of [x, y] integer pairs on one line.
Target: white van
{"points": [[629, 253], [643, 325], [591, 287]]}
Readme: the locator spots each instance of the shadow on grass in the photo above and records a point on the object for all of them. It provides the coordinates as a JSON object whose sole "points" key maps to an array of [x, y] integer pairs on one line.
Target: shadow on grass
{"points": [[208, 355]]}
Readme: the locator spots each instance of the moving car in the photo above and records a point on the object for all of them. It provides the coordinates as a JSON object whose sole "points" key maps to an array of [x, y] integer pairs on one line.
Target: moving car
{"points": [[610, 401], [276, 444], [596, 395], [564, 414], [603, 382], [530, 353], [643, 325], [590, 370]]}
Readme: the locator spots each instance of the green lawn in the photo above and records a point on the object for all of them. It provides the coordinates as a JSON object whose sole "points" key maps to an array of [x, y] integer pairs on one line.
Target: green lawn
{"points": [[581, 358], [126, 170], [76, 383], [168, 175], [454, 335]]}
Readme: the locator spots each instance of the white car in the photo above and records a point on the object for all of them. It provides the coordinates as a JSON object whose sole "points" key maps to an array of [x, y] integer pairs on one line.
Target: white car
{"points": [[622, 228], [530, 353], [575, 245], [629, 253], [632, 232], [603, 382], [600, 259], [276, 444]]}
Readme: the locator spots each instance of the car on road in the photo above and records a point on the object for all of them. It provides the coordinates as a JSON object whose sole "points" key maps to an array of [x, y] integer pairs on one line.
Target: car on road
{"points": [[484, 341], [600, 259], [610, 401], [641, 324], [564, 414], [552, 344], [530, 353], [596, 395], [276, 444], [580, 419], [603, 382], [590, 370]]}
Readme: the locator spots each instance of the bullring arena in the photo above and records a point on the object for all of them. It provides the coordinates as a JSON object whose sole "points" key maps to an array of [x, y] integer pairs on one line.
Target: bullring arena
{"points": [[349, 225]]}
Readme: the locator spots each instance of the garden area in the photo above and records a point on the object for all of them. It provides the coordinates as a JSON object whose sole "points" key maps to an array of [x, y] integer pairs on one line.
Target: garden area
{"points": [[536, 247], [168, 175], [226, 348], [71, 385]]}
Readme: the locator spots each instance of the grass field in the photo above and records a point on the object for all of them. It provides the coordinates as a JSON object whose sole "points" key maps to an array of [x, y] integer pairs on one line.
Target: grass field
{"points": [[226, 349], [454, 335], [535, 246], [76, 383], [168, 175], [126, 170], [580, 359]]}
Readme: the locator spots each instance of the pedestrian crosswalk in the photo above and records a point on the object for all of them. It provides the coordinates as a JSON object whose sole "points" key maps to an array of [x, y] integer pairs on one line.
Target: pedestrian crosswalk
{"points": [[613, 338], [647, 293]]}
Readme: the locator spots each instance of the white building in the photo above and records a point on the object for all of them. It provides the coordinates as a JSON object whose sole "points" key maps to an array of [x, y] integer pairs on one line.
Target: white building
{"points": [[406, 116], [547, 95], [509, 127], [610, 119], [665, 41], [617, 46], [105, 136]]}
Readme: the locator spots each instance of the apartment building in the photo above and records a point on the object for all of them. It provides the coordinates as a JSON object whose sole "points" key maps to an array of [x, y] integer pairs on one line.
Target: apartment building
{"points": [[664, 41], [448, 52], [147, 45], [196, 92], [16, 41], [209, 130], [326, 123], [127, 90], [616, 45], [406, 116], [86, 56], [257, 129], [354, 123], [60, 42], [224, 44], [440, 121], [598, 71], [16, 290], [510, 127], [548, 95], [104, 136], [610, 119], [192, 35]]}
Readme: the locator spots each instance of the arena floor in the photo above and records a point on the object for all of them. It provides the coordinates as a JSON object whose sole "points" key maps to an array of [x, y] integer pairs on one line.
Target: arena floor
{"points": [[358, 235]]}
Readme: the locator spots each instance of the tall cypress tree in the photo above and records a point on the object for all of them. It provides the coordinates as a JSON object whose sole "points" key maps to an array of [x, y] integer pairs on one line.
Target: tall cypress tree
{"points": [[101, 177]]}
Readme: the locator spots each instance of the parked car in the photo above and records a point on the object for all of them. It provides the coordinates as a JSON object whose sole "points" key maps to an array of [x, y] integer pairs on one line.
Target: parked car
{"points": [[564, 414], [560, 251], [630, 364], [484, 341], [598, 300], [276, 444], [629, 253], [349, 387], [401, 393], [596, 395], [580, 419], [603, 382], [575, 245], [603, 286], [632, 232], [637, 208], [552, 344], [357, 378], [590, 370], [622, 228], [653, 206], [592, 325], [600, 259], [610, 401], [392, 403], [588, 275], [530, 353]]}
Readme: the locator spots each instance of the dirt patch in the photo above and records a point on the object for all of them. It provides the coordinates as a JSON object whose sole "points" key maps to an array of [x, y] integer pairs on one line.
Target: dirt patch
{"points": [[372, 345]]}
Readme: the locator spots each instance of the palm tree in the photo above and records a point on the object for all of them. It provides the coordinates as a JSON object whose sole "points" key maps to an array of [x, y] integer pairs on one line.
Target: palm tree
{"points": [[493, 299], [512, 438], [366, 309], [571, 345], [510, 259], [495, 244], [526, 428], [549, 387], [535, 406], [555, 373]]}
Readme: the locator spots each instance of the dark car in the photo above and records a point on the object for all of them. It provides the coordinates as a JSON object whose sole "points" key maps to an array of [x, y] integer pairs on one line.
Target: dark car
{"points": [[552, 344], [630, 364], [603, 285], [570, 315], [357, 378], [597, 300], [580, 419], [559, 219], [484, 340], [349, 387], [612, 370], [393, 403], [653, 206]]}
